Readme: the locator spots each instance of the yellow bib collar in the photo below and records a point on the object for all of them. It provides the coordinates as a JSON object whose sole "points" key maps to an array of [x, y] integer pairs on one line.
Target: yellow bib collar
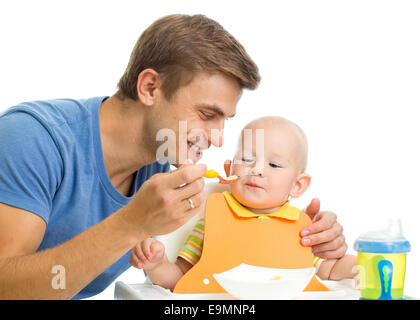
{"points": [[286, 211]]}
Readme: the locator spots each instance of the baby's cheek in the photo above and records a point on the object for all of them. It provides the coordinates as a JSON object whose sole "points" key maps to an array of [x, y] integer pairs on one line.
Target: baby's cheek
{"points": [[234, 189], [238, 191], [279, 192]]}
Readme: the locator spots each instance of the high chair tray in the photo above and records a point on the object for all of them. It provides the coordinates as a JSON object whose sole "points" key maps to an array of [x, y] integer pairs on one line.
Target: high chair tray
{"points": [[340, 290]]}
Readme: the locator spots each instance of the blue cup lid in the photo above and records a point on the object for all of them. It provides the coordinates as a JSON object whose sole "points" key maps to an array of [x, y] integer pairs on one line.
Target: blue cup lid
{"points": [[388, 240], [369, 246]]}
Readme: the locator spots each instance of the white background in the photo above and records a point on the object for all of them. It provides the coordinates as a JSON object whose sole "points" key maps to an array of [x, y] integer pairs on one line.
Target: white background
{"points": [[348, 72]]}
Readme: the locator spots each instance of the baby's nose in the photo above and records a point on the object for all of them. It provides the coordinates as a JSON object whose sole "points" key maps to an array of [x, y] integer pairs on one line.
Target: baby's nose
{"points": [[257, 170]]}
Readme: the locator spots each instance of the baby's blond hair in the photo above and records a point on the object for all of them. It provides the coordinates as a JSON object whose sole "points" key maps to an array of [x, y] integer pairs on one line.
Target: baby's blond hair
{"points": [[277, 122]]}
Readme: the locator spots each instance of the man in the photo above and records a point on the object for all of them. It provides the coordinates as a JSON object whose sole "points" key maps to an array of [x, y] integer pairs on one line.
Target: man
{"points": [[80, 184]]}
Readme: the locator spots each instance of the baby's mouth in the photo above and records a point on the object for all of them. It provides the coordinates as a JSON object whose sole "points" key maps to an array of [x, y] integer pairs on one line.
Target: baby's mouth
{"points": [[253, 185]]}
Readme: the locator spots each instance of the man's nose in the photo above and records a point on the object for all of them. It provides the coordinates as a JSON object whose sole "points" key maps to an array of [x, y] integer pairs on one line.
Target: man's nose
{"points": [[216, 137], [218, 142]]}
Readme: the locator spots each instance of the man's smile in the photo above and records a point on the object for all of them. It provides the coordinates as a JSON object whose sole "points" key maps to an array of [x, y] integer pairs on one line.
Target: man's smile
{"points": [[194, 151]]}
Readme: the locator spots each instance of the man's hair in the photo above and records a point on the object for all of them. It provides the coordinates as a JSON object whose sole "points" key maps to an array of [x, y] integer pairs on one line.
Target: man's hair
{"points": [[178, 46]]}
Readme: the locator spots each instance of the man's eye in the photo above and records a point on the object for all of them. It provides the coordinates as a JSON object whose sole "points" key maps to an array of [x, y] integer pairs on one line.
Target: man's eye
{"points": [[247, 160], [207, 116], [273, 165]]}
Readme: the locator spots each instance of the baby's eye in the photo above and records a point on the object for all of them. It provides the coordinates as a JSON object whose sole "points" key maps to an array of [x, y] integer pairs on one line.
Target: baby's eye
{"points": [[273, 165]]}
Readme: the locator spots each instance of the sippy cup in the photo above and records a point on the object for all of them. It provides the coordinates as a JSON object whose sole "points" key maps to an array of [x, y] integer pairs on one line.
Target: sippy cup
{"points": [[381, 260]]}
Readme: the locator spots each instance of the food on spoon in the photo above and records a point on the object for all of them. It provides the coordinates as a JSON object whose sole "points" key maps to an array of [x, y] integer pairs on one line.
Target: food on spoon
{"points": [[232, 178]]}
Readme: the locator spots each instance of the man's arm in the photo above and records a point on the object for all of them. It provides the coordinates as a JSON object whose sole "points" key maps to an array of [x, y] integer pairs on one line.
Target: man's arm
{"points": [[26, 274], [21, 232], [159, 207]]}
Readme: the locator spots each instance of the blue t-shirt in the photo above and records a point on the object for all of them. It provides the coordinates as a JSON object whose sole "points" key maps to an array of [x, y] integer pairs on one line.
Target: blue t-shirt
{"points": [[51, 164]]}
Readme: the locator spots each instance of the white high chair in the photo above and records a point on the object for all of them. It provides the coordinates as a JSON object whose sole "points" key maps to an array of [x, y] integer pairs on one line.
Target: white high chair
{"points": [[173, 243]]}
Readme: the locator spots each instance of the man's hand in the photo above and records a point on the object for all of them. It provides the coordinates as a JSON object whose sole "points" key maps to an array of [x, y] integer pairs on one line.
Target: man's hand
{"points": [[325, 234], [167, 201]]}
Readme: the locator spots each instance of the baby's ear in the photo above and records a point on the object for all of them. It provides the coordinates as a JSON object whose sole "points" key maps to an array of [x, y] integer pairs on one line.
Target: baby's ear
{"points": [[227, 166], [302, 183]]}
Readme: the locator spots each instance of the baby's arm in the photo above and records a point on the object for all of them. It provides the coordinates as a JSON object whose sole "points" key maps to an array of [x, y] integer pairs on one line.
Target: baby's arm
{"points": [[150, 255], [166, 274], [338, 269], [162, 272]]}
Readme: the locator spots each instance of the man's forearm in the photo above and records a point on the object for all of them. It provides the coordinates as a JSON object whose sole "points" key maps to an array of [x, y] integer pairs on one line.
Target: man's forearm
{"points": [[81, 259]]}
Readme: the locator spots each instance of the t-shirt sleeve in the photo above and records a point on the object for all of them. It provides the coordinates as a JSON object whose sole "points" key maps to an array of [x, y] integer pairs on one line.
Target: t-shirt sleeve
{"points": [[316, 262], [30, 164], [193, 246]]}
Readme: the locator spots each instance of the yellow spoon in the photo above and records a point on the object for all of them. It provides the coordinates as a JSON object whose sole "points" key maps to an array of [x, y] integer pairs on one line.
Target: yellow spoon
{"points": [[211, 174]]}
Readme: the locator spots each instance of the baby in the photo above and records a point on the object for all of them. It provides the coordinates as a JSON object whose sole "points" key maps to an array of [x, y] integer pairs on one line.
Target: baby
{"points": [[270, 176]]}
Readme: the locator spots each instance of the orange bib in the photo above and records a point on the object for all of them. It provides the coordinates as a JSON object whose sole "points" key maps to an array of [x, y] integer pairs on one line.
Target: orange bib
{"points": [[230, 240]]}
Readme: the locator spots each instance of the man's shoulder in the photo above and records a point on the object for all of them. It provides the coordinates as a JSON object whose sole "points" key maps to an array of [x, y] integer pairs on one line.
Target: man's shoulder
{"points": [[59, 126], [55, 112]]}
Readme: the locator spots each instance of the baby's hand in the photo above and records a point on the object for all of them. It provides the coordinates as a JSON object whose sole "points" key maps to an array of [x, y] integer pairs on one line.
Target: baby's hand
{"points": [[147, 254]]}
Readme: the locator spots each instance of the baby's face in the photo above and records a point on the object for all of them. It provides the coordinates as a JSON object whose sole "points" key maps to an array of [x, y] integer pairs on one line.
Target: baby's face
{"points": [[270, 175]]}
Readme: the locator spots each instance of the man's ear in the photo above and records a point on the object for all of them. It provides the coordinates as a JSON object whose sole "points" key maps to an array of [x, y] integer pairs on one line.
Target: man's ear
{"points": [[227, 167], [147, 83], [302, 183]]}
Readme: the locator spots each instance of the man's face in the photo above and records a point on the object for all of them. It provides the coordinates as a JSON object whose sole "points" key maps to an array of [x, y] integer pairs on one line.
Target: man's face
{"points": [[196, 113]]}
